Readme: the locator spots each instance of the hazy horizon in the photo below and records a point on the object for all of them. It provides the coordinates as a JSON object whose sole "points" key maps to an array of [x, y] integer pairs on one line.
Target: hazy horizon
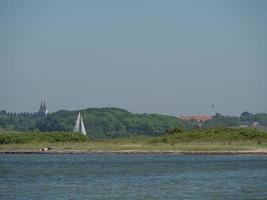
{"points": [[169, 57]]}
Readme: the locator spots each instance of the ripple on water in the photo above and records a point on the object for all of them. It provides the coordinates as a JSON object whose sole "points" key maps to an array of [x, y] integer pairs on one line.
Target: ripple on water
{"points": [[137, 176]]}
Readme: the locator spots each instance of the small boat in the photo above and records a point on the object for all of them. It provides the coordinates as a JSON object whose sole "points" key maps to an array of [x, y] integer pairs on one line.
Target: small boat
{"points": [[46, 149]]}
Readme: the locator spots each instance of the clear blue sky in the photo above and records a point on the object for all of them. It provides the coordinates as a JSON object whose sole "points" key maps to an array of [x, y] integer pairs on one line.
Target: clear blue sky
{"points": [[170, 57]]}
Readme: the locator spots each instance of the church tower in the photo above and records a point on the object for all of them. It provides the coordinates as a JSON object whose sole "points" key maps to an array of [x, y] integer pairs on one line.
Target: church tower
{"points": [[41, 106], [42, 113]]}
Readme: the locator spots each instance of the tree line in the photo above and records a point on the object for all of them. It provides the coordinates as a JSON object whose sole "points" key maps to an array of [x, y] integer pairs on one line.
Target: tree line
{"points": [[99, 122], [116, 122]]}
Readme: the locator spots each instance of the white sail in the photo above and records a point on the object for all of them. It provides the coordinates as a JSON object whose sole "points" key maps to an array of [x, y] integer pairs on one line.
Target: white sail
{"points": [[79, 126], [82, 130], [77, 123]]}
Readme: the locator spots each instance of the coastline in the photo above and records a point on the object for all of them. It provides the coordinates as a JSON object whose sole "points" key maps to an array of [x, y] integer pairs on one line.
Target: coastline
{"points": [[244, 152]]}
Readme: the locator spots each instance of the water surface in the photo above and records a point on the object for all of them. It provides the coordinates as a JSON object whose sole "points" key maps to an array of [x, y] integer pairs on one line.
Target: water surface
{"points": [[118, 176]]}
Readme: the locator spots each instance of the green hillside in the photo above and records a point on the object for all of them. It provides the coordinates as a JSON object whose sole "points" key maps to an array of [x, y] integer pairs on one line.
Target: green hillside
{"points": [[110, 122], [115, 122], [99, 122]]}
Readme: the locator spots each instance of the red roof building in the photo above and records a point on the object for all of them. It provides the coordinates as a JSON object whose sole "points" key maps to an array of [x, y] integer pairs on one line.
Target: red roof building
{"points": [[198, 118]]}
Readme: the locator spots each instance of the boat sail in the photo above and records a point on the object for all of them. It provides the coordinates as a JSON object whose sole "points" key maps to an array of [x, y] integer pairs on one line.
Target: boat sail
{"points": [[79, 126]]}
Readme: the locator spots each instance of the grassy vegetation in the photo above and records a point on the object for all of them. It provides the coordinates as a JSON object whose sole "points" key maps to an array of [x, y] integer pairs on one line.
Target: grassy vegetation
{"points": [[31, 137], [175, 140], [113, 145], [213, 135]]}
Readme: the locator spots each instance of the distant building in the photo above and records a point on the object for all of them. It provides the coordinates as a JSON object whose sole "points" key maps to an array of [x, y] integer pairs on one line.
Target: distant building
{"points": [[42, 111], [255, 124], [248, 124], [197, 118]]}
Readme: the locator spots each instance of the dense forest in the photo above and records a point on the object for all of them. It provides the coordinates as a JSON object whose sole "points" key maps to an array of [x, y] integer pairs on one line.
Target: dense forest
{"points": [[99, 122], [116, 122]]}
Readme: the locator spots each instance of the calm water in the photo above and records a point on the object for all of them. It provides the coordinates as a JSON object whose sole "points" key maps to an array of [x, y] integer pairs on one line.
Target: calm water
{"points": [[111, 176]]}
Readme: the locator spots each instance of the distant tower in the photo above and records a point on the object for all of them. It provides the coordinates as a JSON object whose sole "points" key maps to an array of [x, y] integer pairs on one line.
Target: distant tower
{"points": [[45, 110], [42, 113], [41, 106]]}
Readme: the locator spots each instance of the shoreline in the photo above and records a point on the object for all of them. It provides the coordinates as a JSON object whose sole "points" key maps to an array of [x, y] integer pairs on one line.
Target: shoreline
{"points": [[248, 152]]}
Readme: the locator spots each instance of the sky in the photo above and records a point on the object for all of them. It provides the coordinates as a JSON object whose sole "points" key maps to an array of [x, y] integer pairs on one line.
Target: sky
{"points": [[170, 57]]}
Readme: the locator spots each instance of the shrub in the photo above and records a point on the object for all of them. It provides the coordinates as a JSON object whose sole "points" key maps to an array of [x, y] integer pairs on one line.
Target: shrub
{"points": [[27, 137], [213, 135]]}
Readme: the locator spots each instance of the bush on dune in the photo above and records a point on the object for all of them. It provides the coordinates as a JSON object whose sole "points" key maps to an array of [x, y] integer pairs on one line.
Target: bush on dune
{"points": [[212, 135], [27, 137]]}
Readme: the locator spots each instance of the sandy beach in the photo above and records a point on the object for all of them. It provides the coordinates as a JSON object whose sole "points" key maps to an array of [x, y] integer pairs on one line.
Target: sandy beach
{"points": [[244, 152]]}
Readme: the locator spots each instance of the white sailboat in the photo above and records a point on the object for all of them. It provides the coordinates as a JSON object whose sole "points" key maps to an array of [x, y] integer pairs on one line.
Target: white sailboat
{"points": [[79, 126]]}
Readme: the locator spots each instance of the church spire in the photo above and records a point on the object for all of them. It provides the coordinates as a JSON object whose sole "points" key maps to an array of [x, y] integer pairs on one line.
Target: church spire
{"points": [[41, 106], [43, 110], [44, 106]]}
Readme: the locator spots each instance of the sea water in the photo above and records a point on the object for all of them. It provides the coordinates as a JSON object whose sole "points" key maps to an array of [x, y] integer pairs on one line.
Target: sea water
{"points": [[132, 176]]}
